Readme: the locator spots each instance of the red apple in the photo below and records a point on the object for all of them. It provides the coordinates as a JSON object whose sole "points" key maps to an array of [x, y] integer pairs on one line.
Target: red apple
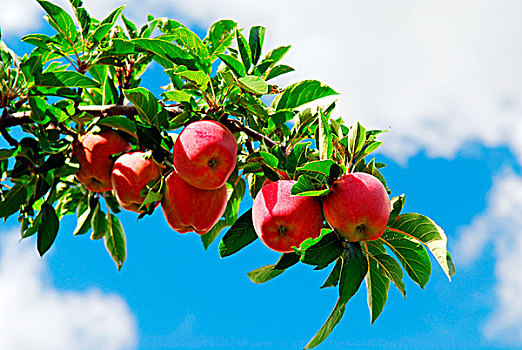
{"points": [[131, 174], [205, 154], [283, 221], [188, 208], [93, 152], [358, 207]]}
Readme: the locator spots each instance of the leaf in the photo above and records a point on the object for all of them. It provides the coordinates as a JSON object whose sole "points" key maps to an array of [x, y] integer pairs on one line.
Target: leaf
{"points": [[7, 153], [264, 274], [191, 42], [269, 159], [39, 110], [255, 41], [84, 217], [211, 235], [167, 52], [426, 231], [120, 123], [65, 79], [199, 78], [240, 235], [278, 70], [244, 50], [286, 260], [301, 93], [305, 186], [297, 157], [146, 104], [328, 326], [60, 20], [48, 229], [234, 64], [325, 138], [220, 35], [253, 84], [13, 200], [177, 95], [323, 252], [99, 223], [355, 267], [319, 169], [411, 254], [115, 241], [377, 285], [271, 59], [356, 138], [334, 276], [397, 203], [391, 268]]}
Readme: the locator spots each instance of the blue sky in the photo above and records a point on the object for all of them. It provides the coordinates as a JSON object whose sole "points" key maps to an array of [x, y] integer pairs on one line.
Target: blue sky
{"points": [[428, 72]]}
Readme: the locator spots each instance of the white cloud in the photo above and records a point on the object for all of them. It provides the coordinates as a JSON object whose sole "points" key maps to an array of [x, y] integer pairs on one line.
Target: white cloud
{"points": [[34, 315], [440, 73], [500, 227]]}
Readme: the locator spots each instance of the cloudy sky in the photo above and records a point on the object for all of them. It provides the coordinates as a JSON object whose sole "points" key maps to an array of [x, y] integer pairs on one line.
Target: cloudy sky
{"points": [[444, 76]]}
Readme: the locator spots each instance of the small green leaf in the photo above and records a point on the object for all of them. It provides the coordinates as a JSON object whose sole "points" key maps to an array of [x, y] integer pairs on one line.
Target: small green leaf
{"points": [[301, 93], [240, 235], [244, 50], [377, 286], [297, 157], [328, 326], [168, 53], [39, 110], [356, 138], [234, 64], [334, 276], [48, 228], [323, 252], [220, 35], [115, 241], [65, 79], [278, 70], [319, 169], [264, 274], [211, 235], [269, 159], [99, 223], [84, 217], [305, 186], [253, 84], [146, 104], [391, 268], [325, 138], [199, 78], [13, 200], [286, 260], [355, 267], [271, 59], [7, 153], [60, 20], [255, 41], [397, 203], [120, 123], [177, 95]]}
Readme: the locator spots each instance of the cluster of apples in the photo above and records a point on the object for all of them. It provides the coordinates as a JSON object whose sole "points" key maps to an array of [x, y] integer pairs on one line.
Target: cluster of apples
{"points": [[195, 196], [358, 208]]}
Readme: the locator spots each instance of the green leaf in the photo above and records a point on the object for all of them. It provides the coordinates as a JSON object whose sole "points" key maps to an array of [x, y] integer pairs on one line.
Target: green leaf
{"points": [[220, 35], [65, 79], [48, 228], [168, 53], [99, 223], [240, 235], [131, 27], [334, 276], [211, 235], [391, 268], [264, 274], [60, 20], [84, 217], [177, 95], [301, 93], [356, 138], [7, 153], [278, 70], [83, 17], [120, 123], [305, 186], [323, 252], [199, 78], [325, 138], [328, 326], [253, 84], [255, 41], [115, 241], [411, 254], [355, 267], [269, 159], [146, 104], [271, 59], [13, 200], [286, 260], [244, 50], [426, 231], [191, 42], [319, 169], [39, 110], [297, 157], [377, 286], [397, 203], [234, 64]]}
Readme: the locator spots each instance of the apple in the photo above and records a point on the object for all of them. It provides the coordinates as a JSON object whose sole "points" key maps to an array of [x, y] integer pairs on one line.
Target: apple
{"points": [[358, 207], [283, 221], [93, 152], [205, 154], [131, 174], [187, 208]]}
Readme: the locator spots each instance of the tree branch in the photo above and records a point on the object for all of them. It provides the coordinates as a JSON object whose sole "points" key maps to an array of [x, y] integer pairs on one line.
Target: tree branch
{"points": [[236, 125]]}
